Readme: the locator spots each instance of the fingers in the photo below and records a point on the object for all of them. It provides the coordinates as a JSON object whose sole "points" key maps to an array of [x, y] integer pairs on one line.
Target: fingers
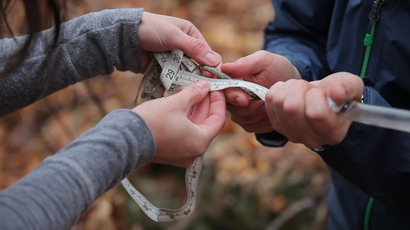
{"points": [[192, 95], [216, 119], [263, 68], [163, 33], [342, 87], [248, 65], [200, 111], [196, 48], [245, 68], [299, 109], [274, 104], [294, 110], [206, 130], [251, 118], [318, 110], [190, 40], [237, 97], [261, 126], [255, 108], [285, 104]]}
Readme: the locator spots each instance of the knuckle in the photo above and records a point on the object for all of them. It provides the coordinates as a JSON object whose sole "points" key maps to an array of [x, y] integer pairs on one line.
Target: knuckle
{"points": [[196, 45], [269, 95], [315, 115], [292, 107], [277, 102], [191, 27], [231, 100], [261, 52], [293, 81], [196, 90], [299, 84]]}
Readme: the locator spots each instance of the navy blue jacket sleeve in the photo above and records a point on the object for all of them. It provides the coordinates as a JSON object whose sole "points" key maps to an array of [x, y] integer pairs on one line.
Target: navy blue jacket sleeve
{"points": [[299, 32]]}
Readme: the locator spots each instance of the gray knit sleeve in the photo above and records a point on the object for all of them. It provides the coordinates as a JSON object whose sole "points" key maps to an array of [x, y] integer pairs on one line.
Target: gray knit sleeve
{"points": [[64, 185], [88, 46]]}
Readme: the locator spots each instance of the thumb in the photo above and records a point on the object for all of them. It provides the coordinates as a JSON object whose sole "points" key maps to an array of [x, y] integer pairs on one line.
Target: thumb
{"points": [[197, 48], [251, 64], [239, 68], [343, 86], [193, 94]]}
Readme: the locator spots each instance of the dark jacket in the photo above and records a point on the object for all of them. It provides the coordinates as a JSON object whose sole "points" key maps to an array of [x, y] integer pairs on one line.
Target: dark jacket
{"points": [[321, 37]]}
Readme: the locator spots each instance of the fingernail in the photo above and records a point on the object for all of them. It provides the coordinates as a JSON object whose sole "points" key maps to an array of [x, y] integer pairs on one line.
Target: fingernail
{"points": [[212, 58], [203, 84]]}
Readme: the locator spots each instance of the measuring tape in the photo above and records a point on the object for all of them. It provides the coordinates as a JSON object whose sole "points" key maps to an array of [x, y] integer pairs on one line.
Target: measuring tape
{"points": [[171, 71]]}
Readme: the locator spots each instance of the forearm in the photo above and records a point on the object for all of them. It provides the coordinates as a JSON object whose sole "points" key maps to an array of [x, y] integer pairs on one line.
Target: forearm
{"points": [[64, 185], [88, 46]]}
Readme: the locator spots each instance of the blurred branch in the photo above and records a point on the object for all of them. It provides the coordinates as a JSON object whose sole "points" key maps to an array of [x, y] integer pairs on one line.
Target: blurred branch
{"points": [[60, 123], [321, 216], [53, 112], [95, 98], [297, 207]]}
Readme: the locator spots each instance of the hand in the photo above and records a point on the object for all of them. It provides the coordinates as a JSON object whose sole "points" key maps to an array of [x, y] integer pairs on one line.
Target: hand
{"points": [[298, 109], [184, 124], [159, 33], [263, 68]]}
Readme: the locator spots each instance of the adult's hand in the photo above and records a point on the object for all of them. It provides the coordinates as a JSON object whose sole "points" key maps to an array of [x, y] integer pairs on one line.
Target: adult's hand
{"points": [[299, 110], [263, 68], [184, 124], [159, 33]]}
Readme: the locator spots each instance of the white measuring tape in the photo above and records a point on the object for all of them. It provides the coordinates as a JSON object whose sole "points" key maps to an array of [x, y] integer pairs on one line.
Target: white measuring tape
{"points": [[178, 71]]}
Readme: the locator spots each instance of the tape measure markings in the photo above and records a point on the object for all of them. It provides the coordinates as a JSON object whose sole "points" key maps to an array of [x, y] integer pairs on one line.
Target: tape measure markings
{"points": [[187, 78], [169, 72]]}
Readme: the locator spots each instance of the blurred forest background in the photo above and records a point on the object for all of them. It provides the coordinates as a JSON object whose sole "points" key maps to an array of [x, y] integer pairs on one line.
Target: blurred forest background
{"points": [[243, 185]]}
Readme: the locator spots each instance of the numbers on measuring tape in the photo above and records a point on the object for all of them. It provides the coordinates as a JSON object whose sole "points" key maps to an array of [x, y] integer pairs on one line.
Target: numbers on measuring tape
{"points": [[177, 58], [187, 64], [170, 74]]}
